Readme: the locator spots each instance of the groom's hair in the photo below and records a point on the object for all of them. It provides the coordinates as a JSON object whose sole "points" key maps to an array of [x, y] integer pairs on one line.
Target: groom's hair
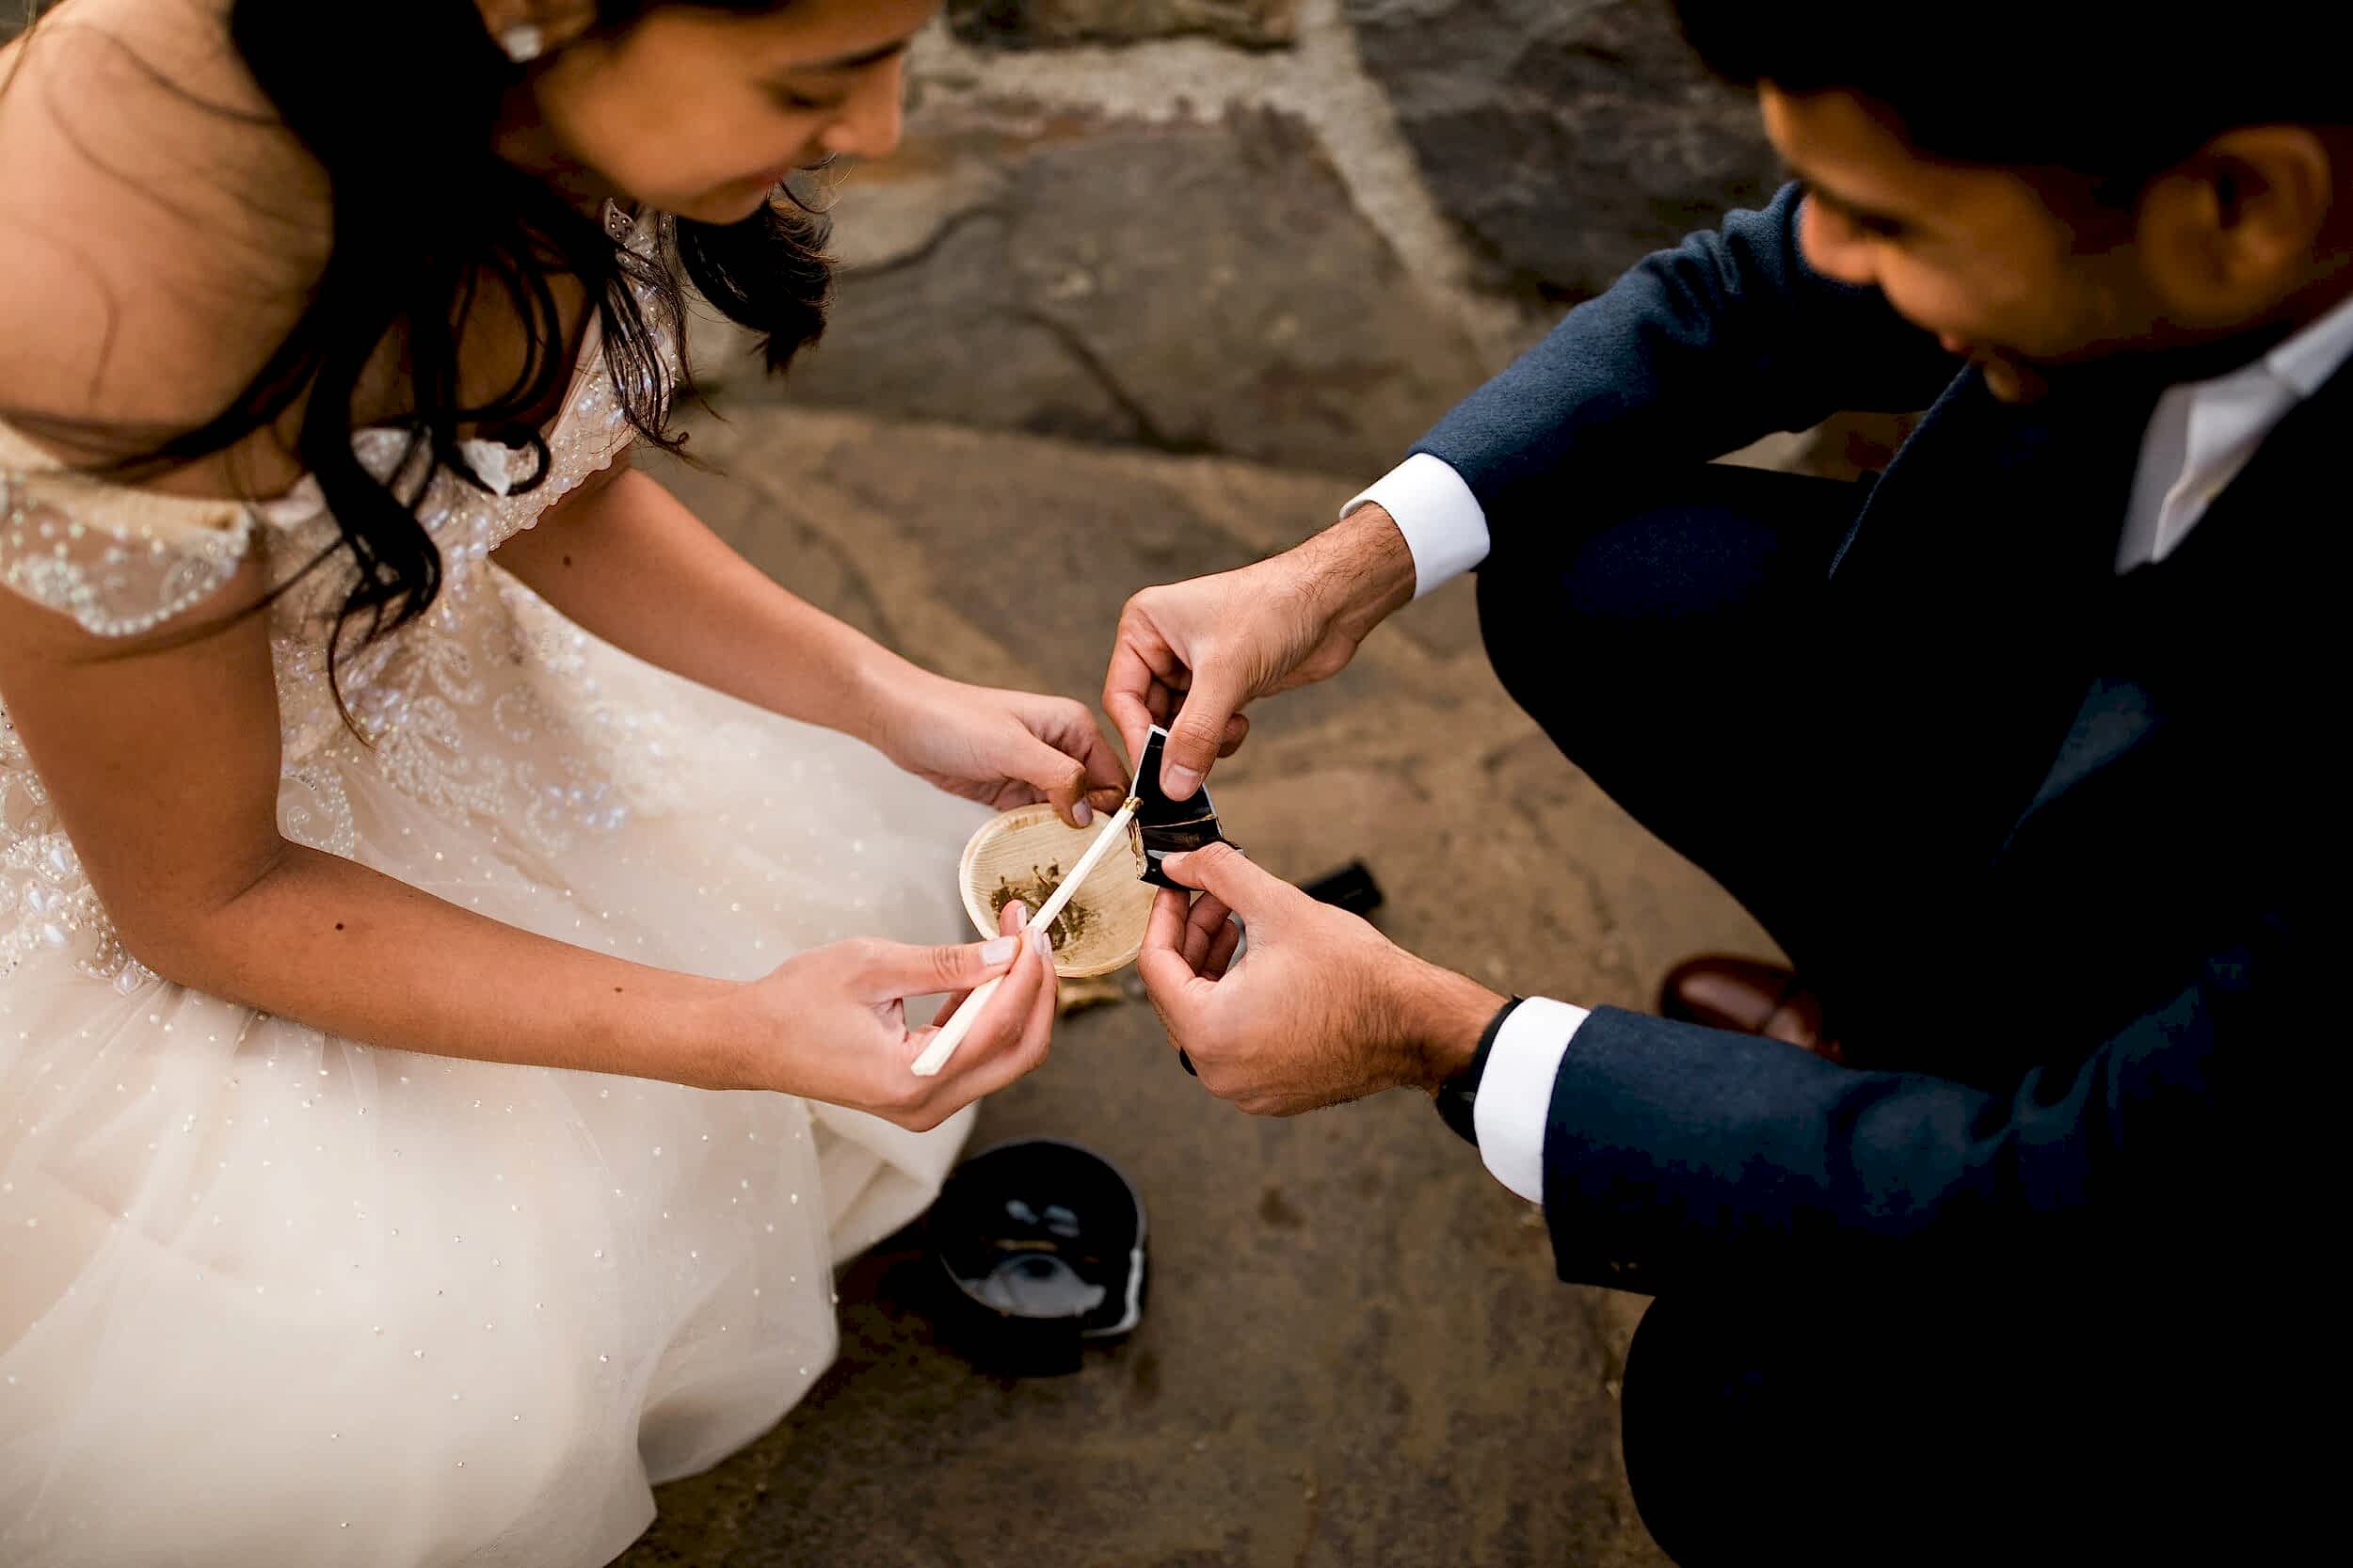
{"points": [[2117, 93]]}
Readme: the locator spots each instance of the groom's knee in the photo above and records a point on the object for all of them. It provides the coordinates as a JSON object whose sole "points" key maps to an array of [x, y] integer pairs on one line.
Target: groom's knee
{"points": [[1696, 573], [1514, 613], [1574, 616]]}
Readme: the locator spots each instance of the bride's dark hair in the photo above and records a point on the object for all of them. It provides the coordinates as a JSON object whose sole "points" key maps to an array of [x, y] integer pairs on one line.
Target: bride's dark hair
{"points": [[421, 94]]}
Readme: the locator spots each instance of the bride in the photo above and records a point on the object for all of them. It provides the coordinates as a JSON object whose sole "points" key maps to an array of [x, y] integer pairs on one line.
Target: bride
{"points": [[453, 910]]}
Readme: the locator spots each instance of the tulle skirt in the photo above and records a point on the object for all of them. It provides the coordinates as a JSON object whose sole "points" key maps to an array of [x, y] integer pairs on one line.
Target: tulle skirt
{"points": [[270, 1296]]}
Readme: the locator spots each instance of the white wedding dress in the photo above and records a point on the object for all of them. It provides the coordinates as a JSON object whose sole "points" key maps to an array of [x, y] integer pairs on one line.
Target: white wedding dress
{"points": [[272, 1297]]}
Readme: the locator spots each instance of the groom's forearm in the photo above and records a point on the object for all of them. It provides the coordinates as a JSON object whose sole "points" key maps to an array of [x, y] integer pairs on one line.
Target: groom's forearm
{"points": [[627, 560], [1360, 570]]}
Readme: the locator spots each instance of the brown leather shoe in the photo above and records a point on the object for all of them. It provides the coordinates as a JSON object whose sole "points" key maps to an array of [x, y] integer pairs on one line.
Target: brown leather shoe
{"points": [[1749, 997]]}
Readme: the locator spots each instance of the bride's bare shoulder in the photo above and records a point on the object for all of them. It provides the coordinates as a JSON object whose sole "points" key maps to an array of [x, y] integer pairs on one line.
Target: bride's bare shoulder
{"points": [[163, 232]]}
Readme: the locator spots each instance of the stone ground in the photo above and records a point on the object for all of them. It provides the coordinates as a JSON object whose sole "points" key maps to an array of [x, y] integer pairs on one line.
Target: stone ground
{"points": [[1355, 1352]]}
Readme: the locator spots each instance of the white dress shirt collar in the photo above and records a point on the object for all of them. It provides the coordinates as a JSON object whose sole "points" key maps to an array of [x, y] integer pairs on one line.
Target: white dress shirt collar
{"points": [[2307, 360], [2202, 433]]}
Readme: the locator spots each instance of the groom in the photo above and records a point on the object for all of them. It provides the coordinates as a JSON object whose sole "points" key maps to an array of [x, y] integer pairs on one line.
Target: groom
{"points": [[2015, 752]]}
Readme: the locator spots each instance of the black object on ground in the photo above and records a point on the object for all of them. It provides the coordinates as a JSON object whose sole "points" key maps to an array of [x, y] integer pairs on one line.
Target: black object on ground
{"points": [[1352, 888], [1040, 1246]]}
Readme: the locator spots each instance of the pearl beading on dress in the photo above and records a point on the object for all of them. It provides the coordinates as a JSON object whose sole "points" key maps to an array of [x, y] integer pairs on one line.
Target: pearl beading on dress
{"points": [[114, 583]]}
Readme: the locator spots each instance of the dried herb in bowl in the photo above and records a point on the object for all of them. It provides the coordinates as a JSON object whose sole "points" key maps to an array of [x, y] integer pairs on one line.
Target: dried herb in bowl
{"points": [[1067, 926]]}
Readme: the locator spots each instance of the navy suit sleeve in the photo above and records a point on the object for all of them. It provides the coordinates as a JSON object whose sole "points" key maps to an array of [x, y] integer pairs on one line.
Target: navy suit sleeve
{"points": [[1695, 352], [1677, 1155]]}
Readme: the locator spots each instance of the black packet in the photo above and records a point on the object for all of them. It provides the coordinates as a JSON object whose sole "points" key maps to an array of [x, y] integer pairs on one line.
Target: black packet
{"points": [[1169, 826]]}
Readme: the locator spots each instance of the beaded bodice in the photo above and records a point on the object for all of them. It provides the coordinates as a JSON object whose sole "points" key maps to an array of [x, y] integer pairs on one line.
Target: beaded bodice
{"points": [[452, 710]]}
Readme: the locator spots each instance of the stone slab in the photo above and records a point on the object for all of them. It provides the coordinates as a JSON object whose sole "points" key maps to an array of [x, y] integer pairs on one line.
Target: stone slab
{"points": [[1186, 287], [1569, 137], [1052, 23]]}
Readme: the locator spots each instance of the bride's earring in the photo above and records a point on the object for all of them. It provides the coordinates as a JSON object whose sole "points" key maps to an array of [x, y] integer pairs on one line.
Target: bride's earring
{"points": [[525, 43]]}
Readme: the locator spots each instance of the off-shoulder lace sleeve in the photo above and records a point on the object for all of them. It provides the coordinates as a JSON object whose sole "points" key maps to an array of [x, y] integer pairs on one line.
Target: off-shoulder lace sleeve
{"points": [[119, 561]]}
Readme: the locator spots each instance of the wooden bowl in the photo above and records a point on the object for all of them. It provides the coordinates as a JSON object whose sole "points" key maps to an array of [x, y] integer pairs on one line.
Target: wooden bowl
{"points": [[1110, 908]]}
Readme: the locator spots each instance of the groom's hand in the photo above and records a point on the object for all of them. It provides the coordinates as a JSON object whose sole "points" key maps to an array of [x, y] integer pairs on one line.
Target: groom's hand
{"points": [[1192, 655], [1319, 1008]]}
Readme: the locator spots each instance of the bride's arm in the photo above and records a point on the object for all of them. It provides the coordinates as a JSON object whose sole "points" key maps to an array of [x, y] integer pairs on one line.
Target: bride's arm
{"points": [[162, 757], [625, 559]]}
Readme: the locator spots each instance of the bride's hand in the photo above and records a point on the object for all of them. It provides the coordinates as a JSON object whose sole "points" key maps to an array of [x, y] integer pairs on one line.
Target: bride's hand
{"points": [[1001, 748], [831, 1024]]}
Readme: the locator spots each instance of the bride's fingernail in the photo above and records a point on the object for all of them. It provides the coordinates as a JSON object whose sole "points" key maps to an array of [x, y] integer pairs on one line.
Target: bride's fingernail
{"points": [[1000, 950], [1082, 813], [1043, 943]]}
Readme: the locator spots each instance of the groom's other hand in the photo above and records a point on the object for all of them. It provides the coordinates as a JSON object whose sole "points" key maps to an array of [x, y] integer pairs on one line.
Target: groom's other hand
{"points": [[1192, 655], [1319, 1008]]}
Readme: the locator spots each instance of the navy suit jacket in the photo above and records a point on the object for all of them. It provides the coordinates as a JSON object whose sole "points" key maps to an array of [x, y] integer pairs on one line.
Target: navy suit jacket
{"points": [[2109, 829]]}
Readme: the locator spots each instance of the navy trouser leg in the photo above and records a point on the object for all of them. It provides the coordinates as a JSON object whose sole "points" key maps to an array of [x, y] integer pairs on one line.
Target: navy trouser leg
{"points": [[1677, 654], [2000, 1425]]}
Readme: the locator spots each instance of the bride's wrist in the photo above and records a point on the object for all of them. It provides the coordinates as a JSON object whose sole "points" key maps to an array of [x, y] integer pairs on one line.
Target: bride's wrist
{"points": [[711, 1038], [740, 1041], [885, 695], [690, 1030]]}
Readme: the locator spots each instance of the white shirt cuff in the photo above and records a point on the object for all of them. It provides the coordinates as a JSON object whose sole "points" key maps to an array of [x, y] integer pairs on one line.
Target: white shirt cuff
{"points": [[1513, 1105], [1444, 525]]}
